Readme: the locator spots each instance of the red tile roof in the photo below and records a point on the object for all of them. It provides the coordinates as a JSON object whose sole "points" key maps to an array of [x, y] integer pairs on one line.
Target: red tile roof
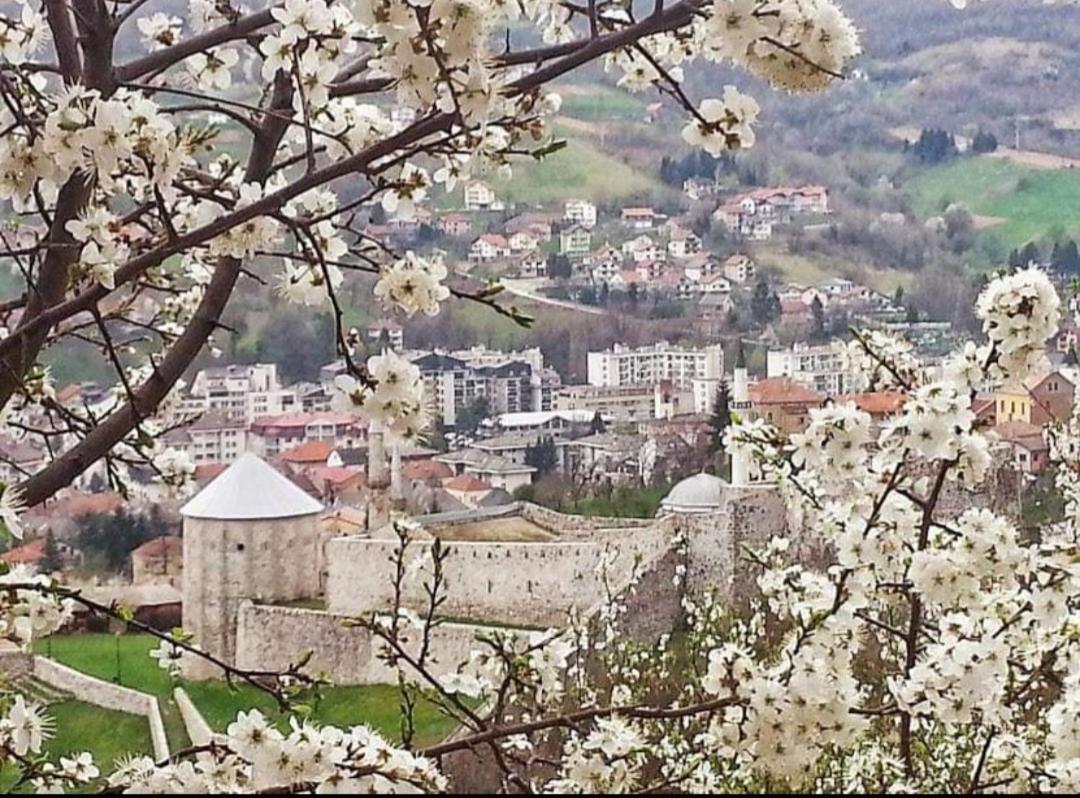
{"points": [[336, 475], [29, 553], [308, 452], [423, 470], [877, 403], [466, 483], [782, 391], [164, 546]]}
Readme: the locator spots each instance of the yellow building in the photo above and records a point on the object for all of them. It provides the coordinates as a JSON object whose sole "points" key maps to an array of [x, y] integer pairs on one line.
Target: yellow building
{"points": [[1013, 403]]}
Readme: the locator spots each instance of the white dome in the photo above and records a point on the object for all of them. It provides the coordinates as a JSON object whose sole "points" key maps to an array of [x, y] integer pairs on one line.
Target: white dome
{"points": [[249, 489], [700, 493]]}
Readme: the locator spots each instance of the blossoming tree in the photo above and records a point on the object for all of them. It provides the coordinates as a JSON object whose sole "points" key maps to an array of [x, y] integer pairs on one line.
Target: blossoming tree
{"points": [[936, 653]]}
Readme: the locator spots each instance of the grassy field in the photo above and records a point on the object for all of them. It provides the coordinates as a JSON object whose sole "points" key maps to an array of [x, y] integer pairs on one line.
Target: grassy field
{"points": [[97, 655], [107, 735], [1033, 204], [811, 271]]}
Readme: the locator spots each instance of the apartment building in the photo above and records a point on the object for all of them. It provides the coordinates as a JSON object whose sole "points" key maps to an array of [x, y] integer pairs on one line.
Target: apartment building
{"points": [[819, 368], [240, 393], [647, 365]]}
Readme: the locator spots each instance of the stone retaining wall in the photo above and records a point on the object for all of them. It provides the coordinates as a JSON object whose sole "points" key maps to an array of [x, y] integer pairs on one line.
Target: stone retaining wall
{"points": [[198, 729], [106, 695]]}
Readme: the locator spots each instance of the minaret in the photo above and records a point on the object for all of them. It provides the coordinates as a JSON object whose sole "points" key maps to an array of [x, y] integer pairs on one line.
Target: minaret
{"points": [[740, 403], [378, 479]]}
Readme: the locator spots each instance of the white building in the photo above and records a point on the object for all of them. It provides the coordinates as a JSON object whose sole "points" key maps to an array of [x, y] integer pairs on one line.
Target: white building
{"points": [[622, 365], [211, 438], [489, 247], [580, 212], [479, 196], [241, 393], [820, 368], [739, 269]]}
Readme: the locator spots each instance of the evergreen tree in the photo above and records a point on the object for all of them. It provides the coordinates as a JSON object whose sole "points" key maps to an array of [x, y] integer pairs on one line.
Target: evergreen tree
{"points": [[597, 425], [720, 418], [51, 560], [818, 312], [560, 267], [898, 296], [984, 142], [764, 302], [543, 455], [1030, 254]]}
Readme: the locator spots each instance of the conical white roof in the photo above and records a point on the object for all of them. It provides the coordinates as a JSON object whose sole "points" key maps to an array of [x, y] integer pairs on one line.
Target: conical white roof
{"points": [[250, 489]]}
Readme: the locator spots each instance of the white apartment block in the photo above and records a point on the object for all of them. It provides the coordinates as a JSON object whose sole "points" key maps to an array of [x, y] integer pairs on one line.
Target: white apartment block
{"points": [[649, 365], [820, 368], [211, 438], [479, 196], [240, 393]]}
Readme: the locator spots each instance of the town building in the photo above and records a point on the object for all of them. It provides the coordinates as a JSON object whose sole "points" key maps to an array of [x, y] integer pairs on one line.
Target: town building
{"points": [[241, 392], [621, 403], [622, 365], [739, 268], [479, 196], [575, 241], [580, 212], [271, 435], [1039, 400], [493, 470], [783, 403], [385, 333], [159, 561], [489, 247], [820, 368], [210, 438], [638, 218]]}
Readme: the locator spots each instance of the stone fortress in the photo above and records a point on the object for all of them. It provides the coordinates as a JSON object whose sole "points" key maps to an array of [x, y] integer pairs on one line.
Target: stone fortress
{"points": [[264, 582]]}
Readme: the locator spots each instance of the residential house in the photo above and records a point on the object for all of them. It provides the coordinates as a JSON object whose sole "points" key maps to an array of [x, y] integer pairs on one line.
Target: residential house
{"points": [[496, 471], [489, 247], [575, 241], [455, 225], [1027, 445], [643, 248], [603, 457], [739, 268], [479, 196], [683, 243], [385, 333], [522, 241], [1040, 399], [468, 489], [783, 403], [159, 561], [580, 212], [638, 218], [529, 264]]}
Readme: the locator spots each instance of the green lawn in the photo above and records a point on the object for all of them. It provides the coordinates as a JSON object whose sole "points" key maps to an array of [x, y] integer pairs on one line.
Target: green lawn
{"points": [[96, 654], [599, 103], [106, 734], [1035, 204]]}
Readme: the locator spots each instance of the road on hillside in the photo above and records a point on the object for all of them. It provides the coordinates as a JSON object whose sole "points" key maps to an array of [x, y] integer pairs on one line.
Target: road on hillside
{"points": [[530, 289], [1038, 160]]}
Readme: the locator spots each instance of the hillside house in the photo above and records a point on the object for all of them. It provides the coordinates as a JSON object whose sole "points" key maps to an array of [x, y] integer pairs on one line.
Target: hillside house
{"points": [[739, 268], [479, 196], [489, 247], [580, 212], [638, 218], [455, 225], [683, 243], [575, 242], [529, 264]]}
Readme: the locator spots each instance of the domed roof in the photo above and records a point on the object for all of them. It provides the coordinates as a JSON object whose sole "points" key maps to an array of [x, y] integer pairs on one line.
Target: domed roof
{"points": [[700, 493], [250, 489]]}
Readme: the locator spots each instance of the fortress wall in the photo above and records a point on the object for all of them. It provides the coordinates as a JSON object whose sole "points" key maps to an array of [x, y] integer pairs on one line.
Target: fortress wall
{"points": [[272, 638], [526, 584]]}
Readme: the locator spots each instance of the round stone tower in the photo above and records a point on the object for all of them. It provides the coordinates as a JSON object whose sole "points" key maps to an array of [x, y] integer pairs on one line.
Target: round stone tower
{"points": [[249, 534]]}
